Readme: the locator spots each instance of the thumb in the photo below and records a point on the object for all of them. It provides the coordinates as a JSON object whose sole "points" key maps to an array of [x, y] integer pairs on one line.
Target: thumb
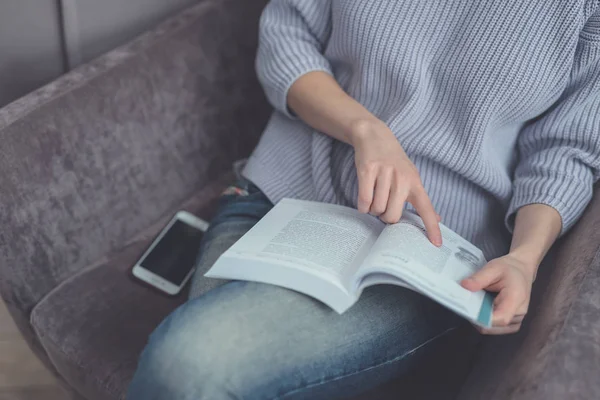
{"points": [[483, 278]]}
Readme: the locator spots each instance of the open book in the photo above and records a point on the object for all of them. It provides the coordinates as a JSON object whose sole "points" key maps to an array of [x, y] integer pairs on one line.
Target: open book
{"points": [[332, 253]]}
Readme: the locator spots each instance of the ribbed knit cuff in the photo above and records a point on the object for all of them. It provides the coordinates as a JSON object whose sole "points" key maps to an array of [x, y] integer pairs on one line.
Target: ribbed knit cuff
{"points": [[567, 196], [278, 77]]}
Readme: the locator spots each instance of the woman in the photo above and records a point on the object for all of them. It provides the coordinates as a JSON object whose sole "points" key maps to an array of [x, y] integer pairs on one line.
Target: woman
{"points": [[381, 104]]}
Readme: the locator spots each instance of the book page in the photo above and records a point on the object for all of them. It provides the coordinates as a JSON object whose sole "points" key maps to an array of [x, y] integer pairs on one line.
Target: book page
{"points": [[331, 240], [404, 250], [325, 237], [302, 238]]}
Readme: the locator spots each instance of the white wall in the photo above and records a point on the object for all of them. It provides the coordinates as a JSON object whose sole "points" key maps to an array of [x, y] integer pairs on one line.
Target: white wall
{"points": [[95, 26], [30, 46], [41, 39]]}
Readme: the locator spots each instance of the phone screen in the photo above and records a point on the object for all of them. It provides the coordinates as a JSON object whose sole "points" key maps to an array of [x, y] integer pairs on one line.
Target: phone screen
{"points": [[175, 254]]}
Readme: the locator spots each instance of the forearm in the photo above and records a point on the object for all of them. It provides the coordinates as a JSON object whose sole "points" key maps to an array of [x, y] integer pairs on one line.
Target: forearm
{"points": [[536, 228], [320, 102]]}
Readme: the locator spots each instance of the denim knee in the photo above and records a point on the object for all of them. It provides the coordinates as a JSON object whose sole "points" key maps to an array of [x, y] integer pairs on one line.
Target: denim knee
{"points": [[196, 354]]}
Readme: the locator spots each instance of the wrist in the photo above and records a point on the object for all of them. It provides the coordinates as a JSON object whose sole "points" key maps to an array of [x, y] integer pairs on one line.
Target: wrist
{"points": [[363, 129], [528, 259]]}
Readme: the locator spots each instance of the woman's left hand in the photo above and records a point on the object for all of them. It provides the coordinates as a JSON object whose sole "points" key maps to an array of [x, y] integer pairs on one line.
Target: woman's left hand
{"points": [[512, 280]]}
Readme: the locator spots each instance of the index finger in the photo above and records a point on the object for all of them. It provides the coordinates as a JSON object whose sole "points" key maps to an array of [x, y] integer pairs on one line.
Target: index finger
{"points": [[505, 307], [366, 186], [501, 330], [422, 204]]}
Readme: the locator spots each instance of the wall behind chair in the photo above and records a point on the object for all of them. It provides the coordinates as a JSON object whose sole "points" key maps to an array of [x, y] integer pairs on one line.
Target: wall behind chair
{"points": [[30, 46], [42, 39]]}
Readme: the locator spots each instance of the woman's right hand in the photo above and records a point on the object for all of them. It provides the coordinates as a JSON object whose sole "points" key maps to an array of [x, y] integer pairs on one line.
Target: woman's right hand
{"points": [[387, 178]]}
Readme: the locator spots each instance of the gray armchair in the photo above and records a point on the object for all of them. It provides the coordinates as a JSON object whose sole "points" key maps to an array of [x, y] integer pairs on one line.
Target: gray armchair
{"points": [[94, 164]]}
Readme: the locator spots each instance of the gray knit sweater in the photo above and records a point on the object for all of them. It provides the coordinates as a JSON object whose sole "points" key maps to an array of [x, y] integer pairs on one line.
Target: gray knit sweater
{"points": [[496, 102]]}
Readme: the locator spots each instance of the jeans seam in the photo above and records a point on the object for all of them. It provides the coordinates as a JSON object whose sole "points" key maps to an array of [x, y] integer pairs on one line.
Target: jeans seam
{"points": [[393, 360]]}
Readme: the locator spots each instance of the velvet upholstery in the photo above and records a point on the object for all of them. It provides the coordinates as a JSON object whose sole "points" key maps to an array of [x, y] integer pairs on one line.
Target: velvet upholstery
{"points": [[97, 156], [557, 353], [94, 341], [96, 162]]}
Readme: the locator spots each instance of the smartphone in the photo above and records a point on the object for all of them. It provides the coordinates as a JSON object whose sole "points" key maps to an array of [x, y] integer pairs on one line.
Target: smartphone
{"points": [[170, 260]]}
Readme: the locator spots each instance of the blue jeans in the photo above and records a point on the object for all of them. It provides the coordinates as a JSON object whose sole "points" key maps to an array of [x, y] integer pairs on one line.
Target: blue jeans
{"points": [[244, 340]]}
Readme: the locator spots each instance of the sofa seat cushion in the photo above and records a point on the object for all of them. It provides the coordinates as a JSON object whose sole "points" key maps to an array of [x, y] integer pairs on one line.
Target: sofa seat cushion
{"points": [[94, 325]]}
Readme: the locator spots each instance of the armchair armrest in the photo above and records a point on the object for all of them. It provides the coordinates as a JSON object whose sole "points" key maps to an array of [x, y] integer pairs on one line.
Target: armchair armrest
{"points": [[103, 152], [557, 353]]}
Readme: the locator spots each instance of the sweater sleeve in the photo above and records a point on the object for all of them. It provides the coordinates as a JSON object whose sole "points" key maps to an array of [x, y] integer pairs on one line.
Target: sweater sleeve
{"points": [[560, 151], [292, 39]]}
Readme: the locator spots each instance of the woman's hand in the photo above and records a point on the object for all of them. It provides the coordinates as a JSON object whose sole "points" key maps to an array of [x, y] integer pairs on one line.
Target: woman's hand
{"points": [[387, 178], [536, 227], [512, 279]]}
